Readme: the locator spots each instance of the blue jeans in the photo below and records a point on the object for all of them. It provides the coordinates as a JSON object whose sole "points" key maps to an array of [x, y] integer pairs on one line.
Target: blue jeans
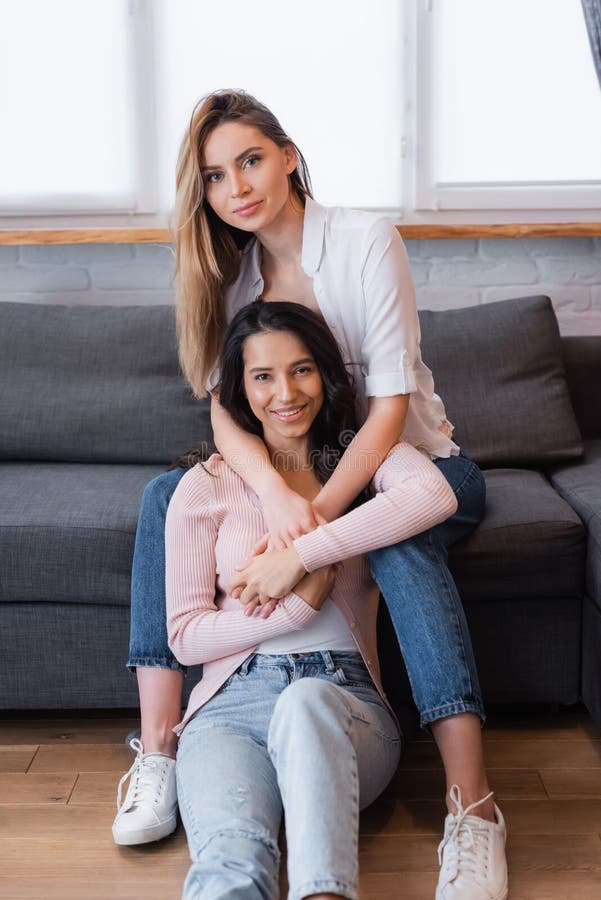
{"points": [[425, 606], [413, 575], [306, 734]]}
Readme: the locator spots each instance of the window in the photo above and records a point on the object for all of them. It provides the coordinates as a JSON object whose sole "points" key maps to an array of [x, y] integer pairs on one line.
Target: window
{"points": [[508, 106], [425, 109], [330, 71], [75, 137]]}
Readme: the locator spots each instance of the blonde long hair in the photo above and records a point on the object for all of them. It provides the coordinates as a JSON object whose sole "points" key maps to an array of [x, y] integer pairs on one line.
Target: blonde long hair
{"points": [[207, 250]]}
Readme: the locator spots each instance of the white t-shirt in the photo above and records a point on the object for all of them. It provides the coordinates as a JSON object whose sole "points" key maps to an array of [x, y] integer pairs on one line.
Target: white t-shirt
{"points": [[364, 290]]}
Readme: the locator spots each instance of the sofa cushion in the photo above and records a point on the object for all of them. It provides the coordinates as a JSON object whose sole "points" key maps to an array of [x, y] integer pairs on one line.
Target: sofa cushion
{"points": [[500, 372], [94, 384], [67, 531], [580, 486], [531, 543]]}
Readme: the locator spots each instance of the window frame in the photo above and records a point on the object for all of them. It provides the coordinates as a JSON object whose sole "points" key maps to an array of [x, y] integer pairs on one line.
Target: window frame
{"points": [[424, 201], [143, 198], [425, 195]]}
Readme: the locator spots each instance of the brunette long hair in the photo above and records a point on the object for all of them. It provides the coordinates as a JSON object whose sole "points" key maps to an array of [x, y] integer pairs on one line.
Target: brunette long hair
{"points": [[207, 250], [336, 422]]}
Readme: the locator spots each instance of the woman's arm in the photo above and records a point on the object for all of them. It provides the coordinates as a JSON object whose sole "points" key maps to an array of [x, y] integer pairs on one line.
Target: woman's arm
{"points": [[366, 452], [412, 497], [197, 630], [389, 352], [286, 513]]}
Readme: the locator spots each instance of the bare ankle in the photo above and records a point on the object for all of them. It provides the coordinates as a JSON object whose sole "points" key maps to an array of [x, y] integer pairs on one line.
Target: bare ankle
{"points": [[469, 795], [159, 742]]}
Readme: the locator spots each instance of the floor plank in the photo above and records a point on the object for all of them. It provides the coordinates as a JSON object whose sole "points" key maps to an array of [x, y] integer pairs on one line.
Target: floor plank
{"points": [[546, 727], [66, 730], [386, 886], [398, 853], [525, 853], [16, 759], [95, 758], [95, 787], [528, 816], [578, 783], [516, 753], [553, 853], [542, 754], [99, 885], [568, 885], [16, 787], [424, 784]]}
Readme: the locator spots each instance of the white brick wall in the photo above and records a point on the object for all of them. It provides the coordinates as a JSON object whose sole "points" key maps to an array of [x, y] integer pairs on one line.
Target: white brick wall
{"points": [[447, 273], [456, 273]]}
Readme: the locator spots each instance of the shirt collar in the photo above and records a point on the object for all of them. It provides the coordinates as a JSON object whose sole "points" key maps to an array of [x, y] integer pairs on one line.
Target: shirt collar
{"points": [[254, 249], [314, 225], [313, 236]]}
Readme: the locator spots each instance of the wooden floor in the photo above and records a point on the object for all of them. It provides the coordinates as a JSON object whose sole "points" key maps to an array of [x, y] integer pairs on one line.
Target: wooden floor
{"points": [[58, 779]]}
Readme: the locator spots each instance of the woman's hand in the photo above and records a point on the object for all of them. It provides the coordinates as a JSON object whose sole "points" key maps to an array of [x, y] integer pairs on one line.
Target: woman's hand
{"points": [[316, 587], [287, 515], [267, 577]]}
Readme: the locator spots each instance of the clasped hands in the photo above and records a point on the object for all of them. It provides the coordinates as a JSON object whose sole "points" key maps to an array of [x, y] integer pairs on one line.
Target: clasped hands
{"points": [[265, 577], [274, 567]]}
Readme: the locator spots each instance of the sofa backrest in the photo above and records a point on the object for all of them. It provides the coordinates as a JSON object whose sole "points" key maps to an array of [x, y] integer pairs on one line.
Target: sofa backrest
{"points": [[94, 384], [103, 384], [500, 371]]}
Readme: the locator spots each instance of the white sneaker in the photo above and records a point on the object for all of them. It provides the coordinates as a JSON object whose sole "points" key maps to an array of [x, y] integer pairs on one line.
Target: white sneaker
{"points": [[472, 855], [149, 811]]}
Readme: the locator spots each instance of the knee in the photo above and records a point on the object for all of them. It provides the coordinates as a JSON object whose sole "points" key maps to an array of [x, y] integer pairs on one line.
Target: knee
{"points": [[244, 838], [310, 706], [158, 492], [404, 553]]}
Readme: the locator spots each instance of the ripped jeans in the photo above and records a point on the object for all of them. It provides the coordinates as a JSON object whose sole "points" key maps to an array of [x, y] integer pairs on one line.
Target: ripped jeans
{"points": [[303, 734]]}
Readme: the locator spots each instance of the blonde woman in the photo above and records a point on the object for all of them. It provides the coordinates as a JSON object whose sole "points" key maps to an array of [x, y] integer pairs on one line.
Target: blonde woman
{"points": [[247, 227]]}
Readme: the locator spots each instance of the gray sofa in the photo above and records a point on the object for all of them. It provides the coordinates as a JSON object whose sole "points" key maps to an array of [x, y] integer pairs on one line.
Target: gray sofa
{"points": [[92, 406]]}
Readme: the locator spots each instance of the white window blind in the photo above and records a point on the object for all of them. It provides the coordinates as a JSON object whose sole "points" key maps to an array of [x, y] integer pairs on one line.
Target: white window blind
{"points": [[71, 131], [398, 105], [509, 106], [331, 71]]}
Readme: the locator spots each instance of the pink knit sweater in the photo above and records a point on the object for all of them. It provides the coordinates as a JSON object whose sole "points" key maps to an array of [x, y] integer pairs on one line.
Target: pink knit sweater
{"points": [[213, 521]]}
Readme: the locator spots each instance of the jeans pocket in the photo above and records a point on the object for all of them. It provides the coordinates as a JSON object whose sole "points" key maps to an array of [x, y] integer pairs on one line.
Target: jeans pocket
{"points": [[353, 674]]}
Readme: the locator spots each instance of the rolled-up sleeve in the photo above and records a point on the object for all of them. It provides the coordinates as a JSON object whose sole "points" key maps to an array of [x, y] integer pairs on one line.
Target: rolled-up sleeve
{"points": [[390, 348]]}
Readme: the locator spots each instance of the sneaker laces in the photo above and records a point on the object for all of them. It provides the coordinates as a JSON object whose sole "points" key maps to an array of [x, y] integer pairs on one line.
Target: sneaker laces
{"points": [[466, 840], [143, 772]]}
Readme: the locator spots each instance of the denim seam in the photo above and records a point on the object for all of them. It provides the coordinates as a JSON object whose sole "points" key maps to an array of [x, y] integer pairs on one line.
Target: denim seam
{"points": [[471, 473], [452, 709], [350, 722], [446, 575], [154, 662]]}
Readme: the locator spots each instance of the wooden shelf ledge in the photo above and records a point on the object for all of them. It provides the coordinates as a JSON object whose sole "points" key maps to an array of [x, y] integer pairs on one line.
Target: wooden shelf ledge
{"points": [[409, 232]]}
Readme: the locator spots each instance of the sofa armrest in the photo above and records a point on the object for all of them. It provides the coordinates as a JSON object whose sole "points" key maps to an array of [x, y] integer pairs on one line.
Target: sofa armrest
{"points": [[580, 485]]}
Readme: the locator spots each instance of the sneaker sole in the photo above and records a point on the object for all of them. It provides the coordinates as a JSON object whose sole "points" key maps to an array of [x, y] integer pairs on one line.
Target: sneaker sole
{"points": [[145, 835], [503, 895]]}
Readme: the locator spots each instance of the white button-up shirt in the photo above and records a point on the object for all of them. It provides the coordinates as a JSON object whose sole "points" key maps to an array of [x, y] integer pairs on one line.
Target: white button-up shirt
{"points": [[364, 290]]}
